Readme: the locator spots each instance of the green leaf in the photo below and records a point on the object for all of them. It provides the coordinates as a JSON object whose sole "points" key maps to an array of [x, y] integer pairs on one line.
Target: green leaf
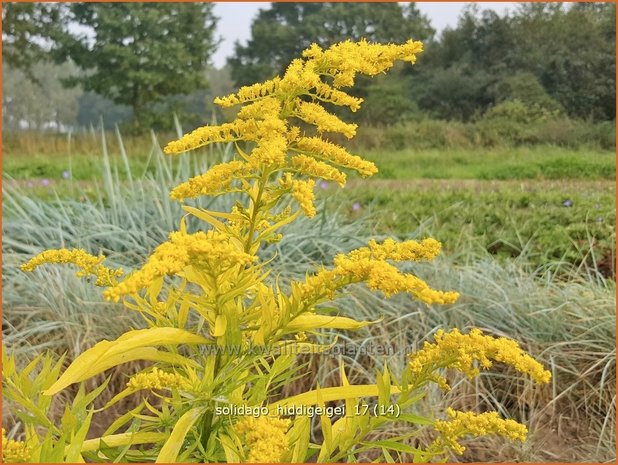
{"points": [[172, 446], [74, 449], [118, 440], [415, 419], [133, 345], [308, 321], [298, 436], [229, 448], [392, 445], [206, 216], [332, 393], [220, 326]]}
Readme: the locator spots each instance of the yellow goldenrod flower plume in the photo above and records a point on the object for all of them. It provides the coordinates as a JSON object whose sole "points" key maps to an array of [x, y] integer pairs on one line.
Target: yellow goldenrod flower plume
{"points": [[14, 451], [461, 352], [215, 181], [157, 379], [264, 437], [220, 281], [327, 151], [89, 264], [370, 265], [269, 114], [303, 193], [170, 258], [461, 424]]}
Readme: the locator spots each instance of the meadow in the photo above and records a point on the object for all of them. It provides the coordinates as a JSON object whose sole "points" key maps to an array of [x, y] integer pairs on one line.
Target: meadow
{"points": [[528, 236]]}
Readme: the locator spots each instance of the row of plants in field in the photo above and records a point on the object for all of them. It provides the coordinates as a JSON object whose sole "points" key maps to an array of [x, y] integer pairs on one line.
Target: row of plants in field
{"points": [[223, 332], [490, 132], [423, 134], [562, 224]]}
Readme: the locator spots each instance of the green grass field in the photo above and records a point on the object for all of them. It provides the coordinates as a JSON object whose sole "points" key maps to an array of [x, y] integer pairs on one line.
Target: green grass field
{"points": [[542, 162], [558, 221]]}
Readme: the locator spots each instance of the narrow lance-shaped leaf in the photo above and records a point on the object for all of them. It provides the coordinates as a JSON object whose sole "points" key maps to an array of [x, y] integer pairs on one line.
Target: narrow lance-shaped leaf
{"points": [[331, 394], [309, 321], [172, 446], [133, 345]]}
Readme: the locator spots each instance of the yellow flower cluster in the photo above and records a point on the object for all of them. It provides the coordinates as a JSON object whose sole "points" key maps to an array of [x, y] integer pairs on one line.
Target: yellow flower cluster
{"points": [[411, 250], [207, 249], [335, 154], [265, 438], [157, 379], [346, 59], [269, 106], [205, 135], [326, 93], [461, 424], [270, 150], [461, 351], [89, 264], [314, 168], [315, 114], [14, 451], [299, 77], [249, 93], [382, 276], [369, 264], [217, 180], [302, 191]]}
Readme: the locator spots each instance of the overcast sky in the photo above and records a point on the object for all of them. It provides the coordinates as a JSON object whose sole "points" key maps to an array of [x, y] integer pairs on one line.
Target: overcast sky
{"points": [[235, 20]]}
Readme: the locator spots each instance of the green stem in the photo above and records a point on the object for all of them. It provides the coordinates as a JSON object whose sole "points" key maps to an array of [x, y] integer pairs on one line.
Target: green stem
{"points": [[255, 210], [206, 426]]}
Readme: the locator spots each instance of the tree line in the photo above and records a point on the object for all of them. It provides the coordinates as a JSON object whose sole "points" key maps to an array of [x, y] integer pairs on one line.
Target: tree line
{"points": [[537, 61]]}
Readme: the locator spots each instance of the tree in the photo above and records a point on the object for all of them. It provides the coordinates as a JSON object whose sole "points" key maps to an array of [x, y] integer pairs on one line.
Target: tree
{"points": [[568, 50], [41, 102], [280, 33], [572, 52], [139, 53], [26, 31]]}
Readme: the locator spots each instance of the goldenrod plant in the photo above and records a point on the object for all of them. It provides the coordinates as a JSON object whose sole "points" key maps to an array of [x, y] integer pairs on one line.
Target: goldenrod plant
{"points": [[223, 334]]}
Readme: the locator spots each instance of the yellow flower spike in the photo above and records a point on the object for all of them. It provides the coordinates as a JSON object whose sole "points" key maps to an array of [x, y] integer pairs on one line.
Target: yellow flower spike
{"points": [[313, 168], [302, 191], [249, 93], [227, 132], [265, 438], [382, 276], [460, 351], [88, 264], [210, 248], [346, 59], [270, 151], [410, 250], [335, 154], [462, 424], [217, 180], [326, 93], [299, 77], [316, 115], [157, 379], [266, 108], [369, 265], [14, 451], [322, 284]]}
